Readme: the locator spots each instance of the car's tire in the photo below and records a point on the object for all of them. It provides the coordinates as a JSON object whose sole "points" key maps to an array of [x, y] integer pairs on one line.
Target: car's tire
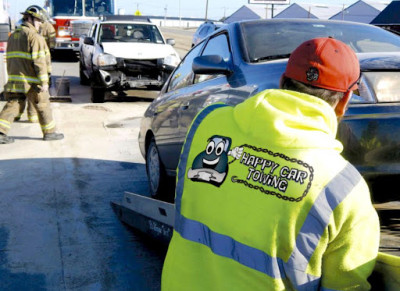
{"points": [[98, 95], [155, 172], [83, 80]]}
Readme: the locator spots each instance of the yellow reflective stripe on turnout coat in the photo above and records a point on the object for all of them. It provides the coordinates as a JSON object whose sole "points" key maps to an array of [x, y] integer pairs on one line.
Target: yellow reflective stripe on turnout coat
{"points": [[26, 59], [264, 201]]}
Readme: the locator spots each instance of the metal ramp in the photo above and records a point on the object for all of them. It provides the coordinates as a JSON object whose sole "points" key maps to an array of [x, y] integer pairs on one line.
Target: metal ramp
{"points": [[151, 216]]}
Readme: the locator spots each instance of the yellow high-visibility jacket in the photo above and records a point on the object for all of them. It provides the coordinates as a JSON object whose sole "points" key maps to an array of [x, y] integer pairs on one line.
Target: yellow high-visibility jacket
{"points": [[265, 201], [26, 59], [49, 33]]}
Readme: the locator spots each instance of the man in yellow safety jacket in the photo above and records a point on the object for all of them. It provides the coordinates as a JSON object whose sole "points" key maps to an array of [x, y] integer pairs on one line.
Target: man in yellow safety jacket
{"points": [[28, 76], [264, 200]]}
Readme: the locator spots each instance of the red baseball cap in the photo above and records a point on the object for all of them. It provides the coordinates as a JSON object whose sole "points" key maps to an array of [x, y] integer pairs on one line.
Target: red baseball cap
{"points": [[325, 63]]}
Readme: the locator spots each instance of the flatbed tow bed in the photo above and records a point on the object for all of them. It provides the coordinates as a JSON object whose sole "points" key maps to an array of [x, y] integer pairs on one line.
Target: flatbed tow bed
{"points": [[151, 216]]}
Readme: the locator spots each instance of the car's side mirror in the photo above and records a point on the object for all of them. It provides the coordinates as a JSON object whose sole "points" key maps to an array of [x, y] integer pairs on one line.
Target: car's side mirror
{"points": [[211, 64], [171, 41], [88, 40]]}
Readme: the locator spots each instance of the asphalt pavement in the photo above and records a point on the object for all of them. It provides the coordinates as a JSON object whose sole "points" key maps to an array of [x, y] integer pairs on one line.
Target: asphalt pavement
{"points": [[57, 228]]}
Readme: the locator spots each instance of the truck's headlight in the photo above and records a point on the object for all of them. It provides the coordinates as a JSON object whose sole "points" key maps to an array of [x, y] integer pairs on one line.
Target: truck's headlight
{"points": [[172, 60], [64, 31], [106, 60]]}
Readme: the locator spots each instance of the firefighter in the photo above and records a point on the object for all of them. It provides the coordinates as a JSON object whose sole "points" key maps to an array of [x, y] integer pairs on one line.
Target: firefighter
{"points": [[264, 200], [49, 34], [28, 76]]}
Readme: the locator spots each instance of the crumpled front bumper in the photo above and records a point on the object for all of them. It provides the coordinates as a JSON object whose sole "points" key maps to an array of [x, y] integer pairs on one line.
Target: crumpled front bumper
{"points": [[125, 75]]}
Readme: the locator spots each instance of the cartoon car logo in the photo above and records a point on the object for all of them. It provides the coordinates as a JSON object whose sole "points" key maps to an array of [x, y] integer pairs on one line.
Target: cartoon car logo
{"points": [[211, 165]]}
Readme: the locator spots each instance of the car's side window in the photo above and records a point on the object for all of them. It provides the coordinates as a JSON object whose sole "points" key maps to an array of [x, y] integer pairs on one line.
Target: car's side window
{"points": [[183, 74], [215, 46], [93, 31]]}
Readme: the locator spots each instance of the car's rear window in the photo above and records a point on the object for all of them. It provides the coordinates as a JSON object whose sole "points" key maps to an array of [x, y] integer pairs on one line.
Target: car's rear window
{"points": [[264, 40]]}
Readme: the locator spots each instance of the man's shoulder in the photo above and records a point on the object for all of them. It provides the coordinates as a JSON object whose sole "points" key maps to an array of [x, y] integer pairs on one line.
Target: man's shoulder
{"points": [[33, 34], [28, 30], [48, 25]]}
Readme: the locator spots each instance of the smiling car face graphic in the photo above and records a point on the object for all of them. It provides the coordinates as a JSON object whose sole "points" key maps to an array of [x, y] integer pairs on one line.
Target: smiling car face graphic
{"points": [[211, 165]]}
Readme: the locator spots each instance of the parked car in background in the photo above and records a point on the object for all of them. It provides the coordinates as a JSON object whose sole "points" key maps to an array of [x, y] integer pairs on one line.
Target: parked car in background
{"points": [[122, 53], [245, 58], [205, 29]]}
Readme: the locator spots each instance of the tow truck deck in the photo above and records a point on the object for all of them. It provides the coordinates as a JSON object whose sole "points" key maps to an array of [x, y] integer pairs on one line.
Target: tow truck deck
{"points": [[150, 216]]}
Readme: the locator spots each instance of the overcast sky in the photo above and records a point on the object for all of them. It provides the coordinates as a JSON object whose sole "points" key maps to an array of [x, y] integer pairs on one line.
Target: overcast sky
{"points": [[188, 8]]}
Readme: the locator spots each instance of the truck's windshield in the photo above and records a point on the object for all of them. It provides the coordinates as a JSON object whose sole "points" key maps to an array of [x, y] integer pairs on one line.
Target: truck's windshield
{"points": [[130, 32], [81, 7]]}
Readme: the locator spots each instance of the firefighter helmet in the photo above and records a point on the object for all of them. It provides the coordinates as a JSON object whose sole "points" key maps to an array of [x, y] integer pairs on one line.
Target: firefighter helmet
{"points": [[36, 12]]}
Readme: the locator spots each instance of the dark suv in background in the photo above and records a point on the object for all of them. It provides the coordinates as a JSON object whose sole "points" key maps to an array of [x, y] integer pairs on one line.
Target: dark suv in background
{"points": [[205, 29]]}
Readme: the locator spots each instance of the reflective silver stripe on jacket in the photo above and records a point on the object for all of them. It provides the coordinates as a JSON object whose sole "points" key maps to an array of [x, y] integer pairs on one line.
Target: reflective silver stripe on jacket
{"points": [[314, 226], [307, 239]]}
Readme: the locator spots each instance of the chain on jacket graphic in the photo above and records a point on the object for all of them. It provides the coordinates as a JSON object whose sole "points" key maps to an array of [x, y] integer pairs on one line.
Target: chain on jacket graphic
{"points": [[257, 168]]}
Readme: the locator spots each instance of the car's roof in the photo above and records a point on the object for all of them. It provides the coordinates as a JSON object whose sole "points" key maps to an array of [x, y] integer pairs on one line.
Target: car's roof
{"points": [[133, 19], [300, 20], [124, 22]]}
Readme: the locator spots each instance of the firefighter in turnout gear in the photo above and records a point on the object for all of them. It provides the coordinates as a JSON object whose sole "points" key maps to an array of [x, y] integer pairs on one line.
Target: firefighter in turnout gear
{"points": [[49, 34], [264, 200], [28, 76]]}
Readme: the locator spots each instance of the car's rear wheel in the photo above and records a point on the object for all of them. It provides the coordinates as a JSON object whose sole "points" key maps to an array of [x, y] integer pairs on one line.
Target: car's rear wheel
{"points": [[83, 80], [98, 95], [155, 171]]}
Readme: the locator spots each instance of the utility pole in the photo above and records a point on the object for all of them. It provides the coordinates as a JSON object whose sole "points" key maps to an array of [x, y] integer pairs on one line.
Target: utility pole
{"points": [[165, 15], [266, 11], [206, 9], [179, 13], [343, 12]]}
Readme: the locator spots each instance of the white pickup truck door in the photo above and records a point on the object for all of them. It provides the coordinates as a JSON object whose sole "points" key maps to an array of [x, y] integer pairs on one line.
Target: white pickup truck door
{"points": [[87, 51]]}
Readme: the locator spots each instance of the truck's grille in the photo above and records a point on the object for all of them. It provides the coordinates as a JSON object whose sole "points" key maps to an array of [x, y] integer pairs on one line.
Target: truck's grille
{"points": [[80, 27], [143, 63]]}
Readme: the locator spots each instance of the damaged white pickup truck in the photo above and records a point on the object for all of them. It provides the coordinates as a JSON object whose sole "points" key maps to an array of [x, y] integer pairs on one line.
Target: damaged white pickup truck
{"points": [[122, 53]]}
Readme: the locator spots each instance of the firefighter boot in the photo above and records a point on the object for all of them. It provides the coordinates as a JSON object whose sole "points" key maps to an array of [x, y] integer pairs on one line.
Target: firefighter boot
{"points": [[53, 136], [4, 139]]}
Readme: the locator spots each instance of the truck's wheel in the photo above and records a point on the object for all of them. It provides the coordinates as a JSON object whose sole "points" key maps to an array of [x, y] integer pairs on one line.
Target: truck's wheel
{"points": [[155, 171], [98, 95], [83, 80]]}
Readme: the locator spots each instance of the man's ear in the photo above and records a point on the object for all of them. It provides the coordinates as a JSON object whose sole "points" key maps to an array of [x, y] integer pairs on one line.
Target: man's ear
{"points": [[341, 107], [281, 80]]}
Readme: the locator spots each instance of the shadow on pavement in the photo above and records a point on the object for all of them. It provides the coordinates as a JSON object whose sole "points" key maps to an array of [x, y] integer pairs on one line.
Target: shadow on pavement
{"points": [[59, 232], [16, 280], [84, 93], [64, 56]]}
